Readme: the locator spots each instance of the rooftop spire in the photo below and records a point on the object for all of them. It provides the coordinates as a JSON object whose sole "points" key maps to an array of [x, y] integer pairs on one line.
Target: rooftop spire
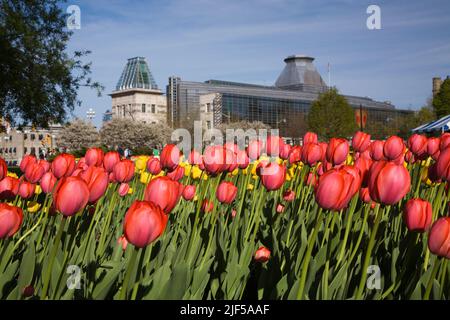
{"points": [[136, 74]]}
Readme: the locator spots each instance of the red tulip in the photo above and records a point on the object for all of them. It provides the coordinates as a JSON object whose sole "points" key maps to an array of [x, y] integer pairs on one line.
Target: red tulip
{"points": [[418, 145], [273, 146], [417, 215], [388, 182], [231, 160], [433, 147], [284, 151], [97, 181], [170, 157], [443, 165], [336, 187], [80, 166], [376, 150], [9, 188], [154, 166], [361, 141], [11, 218], [226, 192], [144, 222], [94, 157], [432, 173], [289, 195], [34, 172], [188, 192], [45, 164], [26, 189], [311, 179], [311, 154], [110, 159], [363, 165], [47, 182], [164, 192], [122, 241], [364, 195], [309, 137], [255, 149], [273, 176], [262, 254], [295, 155], [207, 206], [214, 159], [409, 157], [337, 151], [233, 147], [124, 171], [439, 237], [71, 195], [194, 157], [280, 208], [63, 165], [242, 159], [393, 148], [445, 141], [176, 174], [26, 160], [123, 189]]}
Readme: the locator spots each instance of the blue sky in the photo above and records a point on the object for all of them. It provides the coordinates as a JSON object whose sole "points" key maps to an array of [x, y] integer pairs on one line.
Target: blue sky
{"points": [[246, 41]]}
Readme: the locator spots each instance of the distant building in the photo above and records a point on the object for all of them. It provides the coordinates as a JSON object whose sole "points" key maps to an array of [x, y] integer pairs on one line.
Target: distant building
{"points": [[107, 116], [137, 96], [15, 143], [284, 106], [437, 82]]}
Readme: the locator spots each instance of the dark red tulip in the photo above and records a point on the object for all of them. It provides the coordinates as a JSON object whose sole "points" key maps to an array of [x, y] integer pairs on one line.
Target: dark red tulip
{"points": [[97, 182], [439, 237], [310, 137], [26, 189], [47, 182], [164, 192], [432, 173], [273, 176], [388, 182], [289, 195], [417, 215], [154, 166], [11, 218], [376, 150], [9, 188], [144, 222], [176, 174], [110, 159], [361, 141], [71, 195], [63, 165], [418, 145], [262, 254], [94, 157], [337, 151], [226, 192], [188, 192], [433, 147], [170, 157], [26, 160], [393, 147], [311, 154], [124, 171], [3, 169]]}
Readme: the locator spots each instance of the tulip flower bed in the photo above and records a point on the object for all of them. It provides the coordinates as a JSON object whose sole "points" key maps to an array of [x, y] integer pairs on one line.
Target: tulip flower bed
{"points": [[318, 221]]}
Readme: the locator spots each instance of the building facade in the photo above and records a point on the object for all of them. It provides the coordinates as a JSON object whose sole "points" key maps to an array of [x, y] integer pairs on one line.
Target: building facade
{"points": [[284, 106], [15, 143], [137, 96]]}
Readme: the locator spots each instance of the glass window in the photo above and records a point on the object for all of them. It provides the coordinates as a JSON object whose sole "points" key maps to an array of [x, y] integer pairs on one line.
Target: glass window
{"points": [[143, 107], [153, 108], [41, 136], [32, 137]]}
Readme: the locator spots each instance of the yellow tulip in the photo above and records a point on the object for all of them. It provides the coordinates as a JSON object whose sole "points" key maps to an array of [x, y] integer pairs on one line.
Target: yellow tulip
{"points": [[130, 191], [38, 189], [145, 177], [235, 172], [250, 186], [141, 163], [196, 172], [33, 206], [12, 175], [187, 170]]}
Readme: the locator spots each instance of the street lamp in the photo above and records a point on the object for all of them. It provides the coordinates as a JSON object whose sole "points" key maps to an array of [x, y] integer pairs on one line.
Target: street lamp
{"points": [[90, 114]]}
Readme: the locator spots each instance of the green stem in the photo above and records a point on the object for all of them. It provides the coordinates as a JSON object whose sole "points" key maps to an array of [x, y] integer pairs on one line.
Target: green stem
{"points": [[126, 280], [437, 263]]}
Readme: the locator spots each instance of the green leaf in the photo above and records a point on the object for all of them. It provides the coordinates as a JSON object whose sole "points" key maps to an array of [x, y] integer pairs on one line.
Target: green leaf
{"points": [[26, 268]]}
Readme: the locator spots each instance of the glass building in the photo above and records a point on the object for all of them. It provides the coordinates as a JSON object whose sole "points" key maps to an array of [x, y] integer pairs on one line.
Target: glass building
{"points": [[284, 106]]}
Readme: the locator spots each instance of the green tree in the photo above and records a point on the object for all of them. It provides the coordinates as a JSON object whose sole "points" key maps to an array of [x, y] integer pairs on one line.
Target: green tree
{"points": [[423, 116], [441, 101], [331, 116], [39, 78]]}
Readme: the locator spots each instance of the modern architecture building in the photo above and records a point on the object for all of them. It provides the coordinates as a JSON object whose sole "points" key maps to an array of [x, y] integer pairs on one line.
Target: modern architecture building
{"points": [[137, 96], [284, 105]]}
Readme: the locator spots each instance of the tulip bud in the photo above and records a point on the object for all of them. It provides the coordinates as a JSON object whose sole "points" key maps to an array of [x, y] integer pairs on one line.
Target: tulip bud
{"points": [[361, 141], [123, 189], [262, 254], [273, 176], [393, 148], [71, 195], [94, 157], [124, 171], [311, 153], [122, 241], [289, 195], [439, 237], [154, 166], [97, 181], [144, 222], [280, 208], [284, 151], [417, 215], [189, 192], [443, 165], [63, 165], [433, 147], [164, 192], [337, 151], [207, 206], [9, 188], [26, 189], [11, 218], [26, 160], [47, 182], [170, 157], [310, 137], [110, 159], [295, 155], [376, 150], [255, 149], [418, 145], [34, 172]]}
